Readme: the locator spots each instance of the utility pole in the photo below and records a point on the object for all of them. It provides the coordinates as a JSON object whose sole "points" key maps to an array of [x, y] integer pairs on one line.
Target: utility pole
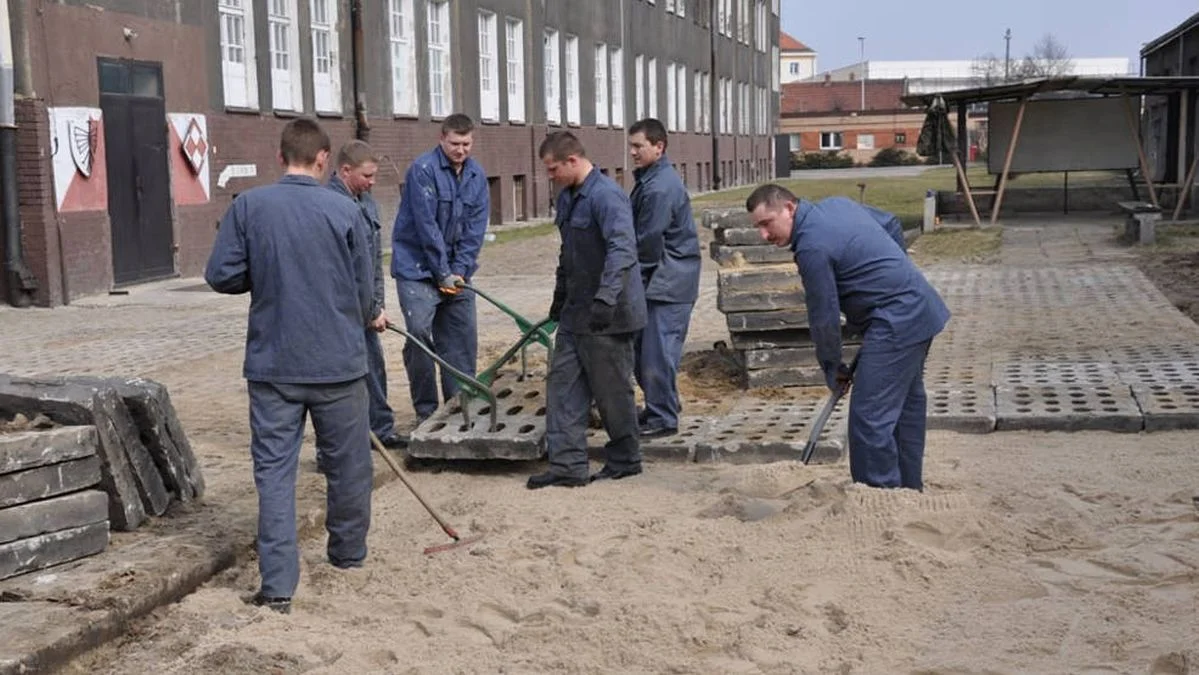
{"points": [[1007, 55], [862, 51]]}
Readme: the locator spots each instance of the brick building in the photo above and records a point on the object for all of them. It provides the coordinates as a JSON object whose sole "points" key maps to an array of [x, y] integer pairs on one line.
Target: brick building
{"points": [[827, 116], [138, 122]]}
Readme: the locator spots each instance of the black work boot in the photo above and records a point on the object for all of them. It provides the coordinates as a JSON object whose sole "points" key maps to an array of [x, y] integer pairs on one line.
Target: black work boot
{"points": [[610, 473], [550, 478], [281, 605]]}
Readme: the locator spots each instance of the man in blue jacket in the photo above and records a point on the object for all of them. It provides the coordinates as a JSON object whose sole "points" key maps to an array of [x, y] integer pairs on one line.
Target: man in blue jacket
{"points": [[600, 306], [353, 177], [435, 246], [669, 257], [851, 261], [303, 255]]}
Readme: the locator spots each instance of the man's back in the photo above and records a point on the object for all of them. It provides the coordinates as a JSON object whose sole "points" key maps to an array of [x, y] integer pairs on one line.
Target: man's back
{"points": [[309, 276], [878, 286]]}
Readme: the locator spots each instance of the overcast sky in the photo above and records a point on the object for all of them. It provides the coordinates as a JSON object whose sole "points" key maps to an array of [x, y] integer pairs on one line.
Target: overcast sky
{"points": [[898, 30]]}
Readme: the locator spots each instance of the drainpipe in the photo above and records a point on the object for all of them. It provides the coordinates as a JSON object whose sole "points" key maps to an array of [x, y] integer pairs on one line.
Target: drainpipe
{"points": [[362, 126], [715, 105], [19, 280]]}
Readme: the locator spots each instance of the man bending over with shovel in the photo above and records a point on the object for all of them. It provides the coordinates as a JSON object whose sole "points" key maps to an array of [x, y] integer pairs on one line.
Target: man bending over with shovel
{"points": [[851, 260]]}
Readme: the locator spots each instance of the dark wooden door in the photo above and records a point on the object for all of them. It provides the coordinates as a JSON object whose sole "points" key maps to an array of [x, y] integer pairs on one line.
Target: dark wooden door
{"points": [[139, 181]]}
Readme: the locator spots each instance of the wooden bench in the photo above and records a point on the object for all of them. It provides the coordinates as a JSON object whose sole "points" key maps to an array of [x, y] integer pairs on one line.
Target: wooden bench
{"points": [[1140, 221]]}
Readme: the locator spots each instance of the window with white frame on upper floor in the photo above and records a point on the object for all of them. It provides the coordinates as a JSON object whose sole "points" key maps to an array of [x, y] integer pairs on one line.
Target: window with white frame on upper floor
{"points": [[601, 85], [722, 16], [287, 85], [698, 98], [830, 140], [553, 93], [761, 27], [441, 76], [670, 6], [639, 86], [707, 102], [238, 76], [681, 94], [775, 10], [651, 77], [514, 40], [489, 68], [616, 70], [680, 7], [572, 80], [326, 76], [743, 23], [403, 57], [672, 110], [774, 68]]}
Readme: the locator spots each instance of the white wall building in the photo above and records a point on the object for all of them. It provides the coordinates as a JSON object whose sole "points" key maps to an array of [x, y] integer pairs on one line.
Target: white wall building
{"points": [[797, 61]]}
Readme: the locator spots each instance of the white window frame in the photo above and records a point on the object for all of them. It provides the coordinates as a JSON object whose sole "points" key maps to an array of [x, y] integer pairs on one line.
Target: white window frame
{"points": [[239, 76], [795, 142], [514, 36], [680, 90], [553, 92], [831, 140], [672, 101], [865, 141], [639, 83], [287, 84], [601, 85], [441, 71], [774, 68], [680, 8], [651, 69], [489, 67], [326, 86], [400, 27], [616, 71], [573, 107], [698, 101], [670, 6]]}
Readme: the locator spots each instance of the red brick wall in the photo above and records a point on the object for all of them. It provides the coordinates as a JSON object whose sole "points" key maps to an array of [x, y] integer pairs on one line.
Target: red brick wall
{"points": [[884, 137]]}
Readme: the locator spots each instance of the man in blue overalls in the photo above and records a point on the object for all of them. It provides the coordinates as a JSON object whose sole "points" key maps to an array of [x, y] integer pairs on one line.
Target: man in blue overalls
{"points": [[668, 253], [600, 306], [303, 254], [438, 233], [353, 177], [852, 260]]}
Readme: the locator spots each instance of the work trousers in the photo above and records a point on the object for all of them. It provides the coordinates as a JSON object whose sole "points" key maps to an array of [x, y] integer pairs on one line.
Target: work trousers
{"points": [[659, 352], [887, 415], [587, 368], [339, 418], [447, 325]]}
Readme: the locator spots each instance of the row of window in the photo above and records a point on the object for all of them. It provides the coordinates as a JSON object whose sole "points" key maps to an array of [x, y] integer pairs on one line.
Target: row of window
{"points": [[560, 57], [834, 140], [746, 26]]}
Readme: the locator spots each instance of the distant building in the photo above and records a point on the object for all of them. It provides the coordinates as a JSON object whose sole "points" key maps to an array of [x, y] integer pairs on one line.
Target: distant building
{"points": [[797, 61], [930, 76], [830, 116], [1173, 54]]}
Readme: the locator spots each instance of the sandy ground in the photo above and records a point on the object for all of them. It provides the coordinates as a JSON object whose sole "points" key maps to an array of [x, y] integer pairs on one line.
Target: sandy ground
{"points": [[1028, 552]]}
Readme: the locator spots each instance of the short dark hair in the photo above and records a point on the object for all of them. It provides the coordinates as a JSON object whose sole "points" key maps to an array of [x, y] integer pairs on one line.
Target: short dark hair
{"points": [[355, 153], [458, 123], [560, 145], [653, 129], [302, 140], [770, 194]]}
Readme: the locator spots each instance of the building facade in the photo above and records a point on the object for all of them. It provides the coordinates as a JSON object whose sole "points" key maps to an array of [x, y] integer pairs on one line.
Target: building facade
{"points": [[845, 117], [797, 61], [139, 122], [926, 77]]}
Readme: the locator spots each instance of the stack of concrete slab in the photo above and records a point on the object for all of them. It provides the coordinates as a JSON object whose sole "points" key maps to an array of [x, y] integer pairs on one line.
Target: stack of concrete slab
{"points": [[141, 453], [51, 510], [762, 298]]}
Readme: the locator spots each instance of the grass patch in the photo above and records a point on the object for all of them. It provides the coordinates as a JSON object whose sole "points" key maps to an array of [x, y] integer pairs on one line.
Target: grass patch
{"points": [[972, 245], [503, 236], [904, 195]]}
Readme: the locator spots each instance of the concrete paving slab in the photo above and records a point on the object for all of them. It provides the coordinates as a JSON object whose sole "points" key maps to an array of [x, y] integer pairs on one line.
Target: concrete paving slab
{"points": [[1151, 352], [519, 432], [761, 431], [1053, 372], [1159, 372], [970, 411], [1168, 406], [1067, 407]]}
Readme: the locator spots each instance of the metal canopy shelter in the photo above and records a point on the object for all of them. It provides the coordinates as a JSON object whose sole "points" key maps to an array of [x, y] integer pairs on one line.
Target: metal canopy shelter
{"points": [[1022, 92]]}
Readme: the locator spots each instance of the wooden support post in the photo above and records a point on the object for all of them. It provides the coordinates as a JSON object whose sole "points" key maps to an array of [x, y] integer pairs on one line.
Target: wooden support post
{"points": [[1144, 160], [957, 164], [1007, 162], [1185, 190]]}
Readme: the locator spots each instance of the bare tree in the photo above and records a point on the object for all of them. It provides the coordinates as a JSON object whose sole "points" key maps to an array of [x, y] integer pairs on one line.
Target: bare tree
{"points": [[1048, 58], [987, 70]]}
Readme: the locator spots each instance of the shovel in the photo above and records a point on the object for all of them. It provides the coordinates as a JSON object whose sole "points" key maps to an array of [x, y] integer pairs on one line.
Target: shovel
{"points": [[822, 419]]}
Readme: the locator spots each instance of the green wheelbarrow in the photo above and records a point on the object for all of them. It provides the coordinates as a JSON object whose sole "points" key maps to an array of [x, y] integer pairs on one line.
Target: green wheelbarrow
{"points": [[479, 386]]}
